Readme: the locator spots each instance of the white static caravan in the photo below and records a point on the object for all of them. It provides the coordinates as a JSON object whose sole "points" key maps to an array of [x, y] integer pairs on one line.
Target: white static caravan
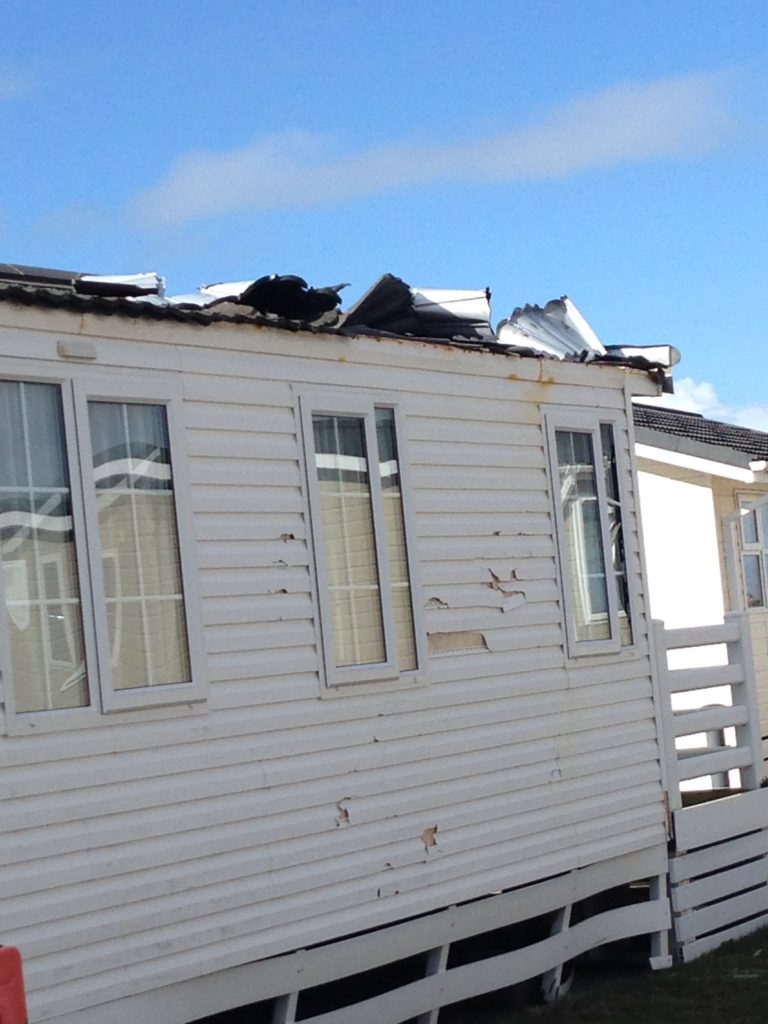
{"points": [[309, 667]]}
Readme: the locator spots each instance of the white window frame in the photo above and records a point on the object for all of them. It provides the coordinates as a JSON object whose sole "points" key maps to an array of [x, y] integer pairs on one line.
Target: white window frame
{"points": [[583, 421], [362, 406], [76, 391], [751, 503]]}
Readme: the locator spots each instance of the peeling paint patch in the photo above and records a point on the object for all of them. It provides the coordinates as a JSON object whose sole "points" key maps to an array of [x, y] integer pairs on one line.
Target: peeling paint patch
{"points": [[461, 640], [436, 602], [285, 537], [429, 837], [342, 817]]}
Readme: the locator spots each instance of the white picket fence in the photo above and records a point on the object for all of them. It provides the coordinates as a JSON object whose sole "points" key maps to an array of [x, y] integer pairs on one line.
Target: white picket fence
{"points": [[719, 866]]}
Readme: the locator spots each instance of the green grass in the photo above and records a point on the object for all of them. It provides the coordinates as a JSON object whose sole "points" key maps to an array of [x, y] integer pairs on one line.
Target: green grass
{"points": [[729, 986]]}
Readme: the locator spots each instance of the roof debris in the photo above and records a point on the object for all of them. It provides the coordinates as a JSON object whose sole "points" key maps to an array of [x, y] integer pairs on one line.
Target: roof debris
{"points": [[558, 329], [390, 308], [393, 307], [129, 285]]}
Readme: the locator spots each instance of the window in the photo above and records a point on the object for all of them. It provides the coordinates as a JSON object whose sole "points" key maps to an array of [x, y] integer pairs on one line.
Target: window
{"points": [[90, 552], [753, 521], [588, 516], [364, 569]]}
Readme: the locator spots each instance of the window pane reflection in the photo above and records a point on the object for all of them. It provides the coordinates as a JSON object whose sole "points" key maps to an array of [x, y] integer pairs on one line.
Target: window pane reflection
{"points": [[348, 534], [37, 548], [139, 544]]}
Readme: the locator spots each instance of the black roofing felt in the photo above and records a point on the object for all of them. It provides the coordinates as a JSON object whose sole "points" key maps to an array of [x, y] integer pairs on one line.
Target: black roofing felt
{"points": [[690, 432], [291, 297]]}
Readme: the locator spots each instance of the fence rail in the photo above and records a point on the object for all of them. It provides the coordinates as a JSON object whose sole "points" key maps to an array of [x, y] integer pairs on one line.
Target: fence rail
{"points": [[701, 701]]}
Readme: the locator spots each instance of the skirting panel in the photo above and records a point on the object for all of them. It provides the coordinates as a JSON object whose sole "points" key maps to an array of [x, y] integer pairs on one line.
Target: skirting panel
{"points": [[283, 978]]}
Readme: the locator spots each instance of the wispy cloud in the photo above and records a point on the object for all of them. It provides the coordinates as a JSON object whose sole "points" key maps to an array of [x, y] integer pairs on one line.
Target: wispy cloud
{"points": [[679, 116], [13, 84], [700, 396]]}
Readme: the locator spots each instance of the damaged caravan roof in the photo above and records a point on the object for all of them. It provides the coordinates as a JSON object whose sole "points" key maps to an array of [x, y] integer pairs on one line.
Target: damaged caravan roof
{"points": [[391, 307]]}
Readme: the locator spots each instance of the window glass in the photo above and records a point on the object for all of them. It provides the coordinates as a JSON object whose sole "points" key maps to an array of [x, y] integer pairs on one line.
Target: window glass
{"points": [[753, 581], [749, 527], [139, 544], [348, 534], [397, 554], [616, 530], [40, 580], [753, 522], [583, 547]]}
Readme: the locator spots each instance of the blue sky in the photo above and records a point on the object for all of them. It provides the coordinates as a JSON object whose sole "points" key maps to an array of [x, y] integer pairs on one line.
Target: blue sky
{"points": [[612, 152]]}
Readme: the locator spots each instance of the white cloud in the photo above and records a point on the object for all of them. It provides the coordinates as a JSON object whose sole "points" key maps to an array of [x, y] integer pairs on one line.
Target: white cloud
{"points": [[700, 396], [679, 116]]}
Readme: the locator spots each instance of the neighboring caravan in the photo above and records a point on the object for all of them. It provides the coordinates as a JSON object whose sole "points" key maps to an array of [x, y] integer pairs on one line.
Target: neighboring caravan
{"points": [[704, 501], [703, 492], [323, 649]]}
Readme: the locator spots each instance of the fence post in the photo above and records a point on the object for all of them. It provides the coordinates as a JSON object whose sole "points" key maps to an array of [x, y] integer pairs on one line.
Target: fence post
{"points": [[665, 729], [740, 652]]}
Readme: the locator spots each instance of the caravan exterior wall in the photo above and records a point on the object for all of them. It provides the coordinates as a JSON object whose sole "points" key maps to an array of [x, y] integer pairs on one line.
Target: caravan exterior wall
{"points": [[253, 786]]}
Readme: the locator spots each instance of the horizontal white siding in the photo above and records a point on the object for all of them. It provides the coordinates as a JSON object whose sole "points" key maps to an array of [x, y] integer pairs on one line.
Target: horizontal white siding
{"points": [[170, 843]]}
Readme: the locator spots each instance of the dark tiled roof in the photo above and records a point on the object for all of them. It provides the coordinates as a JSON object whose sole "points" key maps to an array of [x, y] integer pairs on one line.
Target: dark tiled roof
{"points": [[694, 434]]}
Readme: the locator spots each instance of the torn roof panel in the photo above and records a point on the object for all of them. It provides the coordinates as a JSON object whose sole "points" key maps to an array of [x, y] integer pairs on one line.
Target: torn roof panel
{"points": [[393, 307], [558, 329], [120, 284], [37, 275]]}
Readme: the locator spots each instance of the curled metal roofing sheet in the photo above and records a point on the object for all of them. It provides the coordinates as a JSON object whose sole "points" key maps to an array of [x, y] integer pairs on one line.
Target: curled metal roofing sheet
{"points": [[393, 307], [558, 329]]}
